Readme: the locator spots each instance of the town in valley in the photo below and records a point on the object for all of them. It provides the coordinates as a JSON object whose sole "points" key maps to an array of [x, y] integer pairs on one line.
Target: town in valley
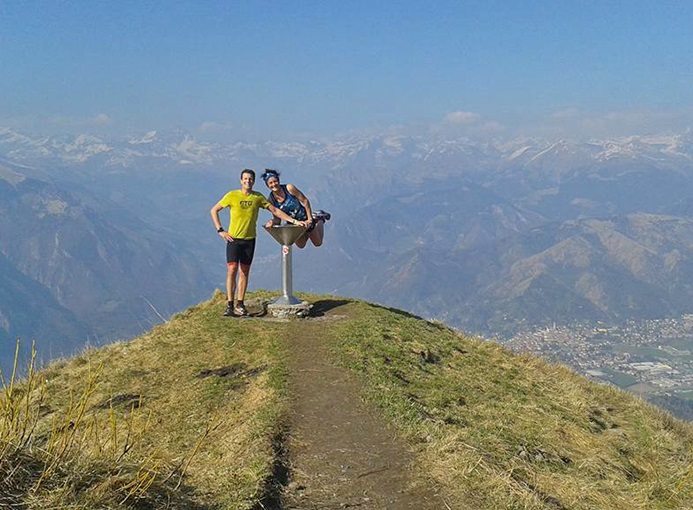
{"points": [[652, 358]]}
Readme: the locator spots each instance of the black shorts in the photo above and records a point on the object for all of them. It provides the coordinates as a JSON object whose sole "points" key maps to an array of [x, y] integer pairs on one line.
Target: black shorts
{"points": [[240, 250]]}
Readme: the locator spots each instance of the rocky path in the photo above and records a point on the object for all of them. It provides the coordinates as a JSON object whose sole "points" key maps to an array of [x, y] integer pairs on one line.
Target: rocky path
{"points": [[341, 454]]}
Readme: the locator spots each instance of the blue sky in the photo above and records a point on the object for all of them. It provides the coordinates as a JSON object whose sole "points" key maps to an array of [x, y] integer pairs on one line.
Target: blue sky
{"points": [[240, 69]]}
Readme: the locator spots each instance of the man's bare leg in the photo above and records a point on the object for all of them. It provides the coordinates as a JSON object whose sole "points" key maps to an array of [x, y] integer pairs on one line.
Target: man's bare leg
{"points": [[243, 281], [232, 269]]}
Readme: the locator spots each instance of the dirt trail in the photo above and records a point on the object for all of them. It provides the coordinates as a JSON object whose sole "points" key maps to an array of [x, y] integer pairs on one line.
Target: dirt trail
{"points": [[341, 454]]}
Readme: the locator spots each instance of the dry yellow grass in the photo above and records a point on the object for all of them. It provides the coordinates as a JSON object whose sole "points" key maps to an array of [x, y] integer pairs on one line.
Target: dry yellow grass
{"points": [[185, 415], [495, 430]]}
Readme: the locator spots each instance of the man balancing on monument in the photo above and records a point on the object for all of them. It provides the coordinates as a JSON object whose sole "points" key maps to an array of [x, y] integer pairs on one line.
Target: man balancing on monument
{"points": [[243, 205]]}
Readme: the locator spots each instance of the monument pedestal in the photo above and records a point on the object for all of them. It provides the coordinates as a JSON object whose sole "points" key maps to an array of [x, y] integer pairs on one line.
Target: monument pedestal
{"points": [[300, 309], [287, 305]]}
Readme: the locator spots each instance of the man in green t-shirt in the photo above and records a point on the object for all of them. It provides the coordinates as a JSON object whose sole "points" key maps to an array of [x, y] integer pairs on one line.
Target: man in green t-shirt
{"points": [[243, 205]]}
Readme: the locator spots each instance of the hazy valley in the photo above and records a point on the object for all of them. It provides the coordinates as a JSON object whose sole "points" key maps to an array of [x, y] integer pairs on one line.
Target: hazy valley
{"points": [[102, 238]]}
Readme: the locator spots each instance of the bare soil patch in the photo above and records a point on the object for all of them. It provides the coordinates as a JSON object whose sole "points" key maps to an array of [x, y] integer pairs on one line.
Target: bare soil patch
{"points": [[340, 453]]}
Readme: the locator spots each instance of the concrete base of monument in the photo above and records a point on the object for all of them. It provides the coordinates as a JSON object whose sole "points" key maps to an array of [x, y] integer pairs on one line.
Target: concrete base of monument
{"points": [[286, 311]]}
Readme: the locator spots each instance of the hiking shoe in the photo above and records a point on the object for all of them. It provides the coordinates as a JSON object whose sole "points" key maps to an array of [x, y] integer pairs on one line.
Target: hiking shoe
{"points": [[229, 311], [240, 310], [321, 215]]}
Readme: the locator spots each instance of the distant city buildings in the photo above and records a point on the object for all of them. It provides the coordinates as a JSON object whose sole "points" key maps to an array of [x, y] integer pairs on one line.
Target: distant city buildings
{"points": [[648, 357]]}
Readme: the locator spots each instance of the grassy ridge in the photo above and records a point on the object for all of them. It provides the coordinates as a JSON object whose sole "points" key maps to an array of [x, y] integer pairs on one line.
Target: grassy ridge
{"points": [[496, 430], [187, 416], [183, 417]]}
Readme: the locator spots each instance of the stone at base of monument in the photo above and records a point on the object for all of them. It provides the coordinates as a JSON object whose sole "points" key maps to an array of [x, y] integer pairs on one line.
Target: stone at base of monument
{"points": [[283, 311]]}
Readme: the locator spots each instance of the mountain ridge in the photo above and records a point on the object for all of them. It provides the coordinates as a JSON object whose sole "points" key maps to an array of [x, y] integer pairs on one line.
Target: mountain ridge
{"points": [[496, 237], [185, 148], [486, 428], [71, 262]]}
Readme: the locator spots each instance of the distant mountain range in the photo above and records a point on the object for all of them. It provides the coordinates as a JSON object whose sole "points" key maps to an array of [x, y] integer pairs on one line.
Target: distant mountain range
{"points": [[491, 237], [76, 269]]}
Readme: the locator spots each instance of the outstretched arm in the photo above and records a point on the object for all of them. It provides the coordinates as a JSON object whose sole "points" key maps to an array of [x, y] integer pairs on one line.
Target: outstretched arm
{"points": [[272, 221], [281, 214]]}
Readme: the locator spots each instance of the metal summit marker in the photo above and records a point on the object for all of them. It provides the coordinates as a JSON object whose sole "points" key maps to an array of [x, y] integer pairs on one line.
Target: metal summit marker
{"points": [[287, 304]]}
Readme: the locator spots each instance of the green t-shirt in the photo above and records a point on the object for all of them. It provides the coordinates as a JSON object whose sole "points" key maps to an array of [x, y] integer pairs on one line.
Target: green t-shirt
{"points": [[243, 212]]}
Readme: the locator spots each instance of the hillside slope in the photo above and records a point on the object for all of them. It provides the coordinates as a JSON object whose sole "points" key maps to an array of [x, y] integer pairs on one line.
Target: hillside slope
{"points": [[83, 269], [198, 414]]}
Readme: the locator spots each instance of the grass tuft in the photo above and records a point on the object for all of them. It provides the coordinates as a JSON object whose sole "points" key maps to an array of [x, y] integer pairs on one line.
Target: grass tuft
{"points": [[75, 458]]}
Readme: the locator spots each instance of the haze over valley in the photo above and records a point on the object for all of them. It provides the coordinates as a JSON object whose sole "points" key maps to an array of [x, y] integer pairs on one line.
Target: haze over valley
{"points": [[102, 238]]}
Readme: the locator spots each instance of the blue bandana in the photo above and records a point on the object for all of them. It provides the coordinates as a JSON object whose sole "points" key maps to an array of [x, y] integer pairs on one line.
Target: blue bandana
{"points": [[269, 174]]}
